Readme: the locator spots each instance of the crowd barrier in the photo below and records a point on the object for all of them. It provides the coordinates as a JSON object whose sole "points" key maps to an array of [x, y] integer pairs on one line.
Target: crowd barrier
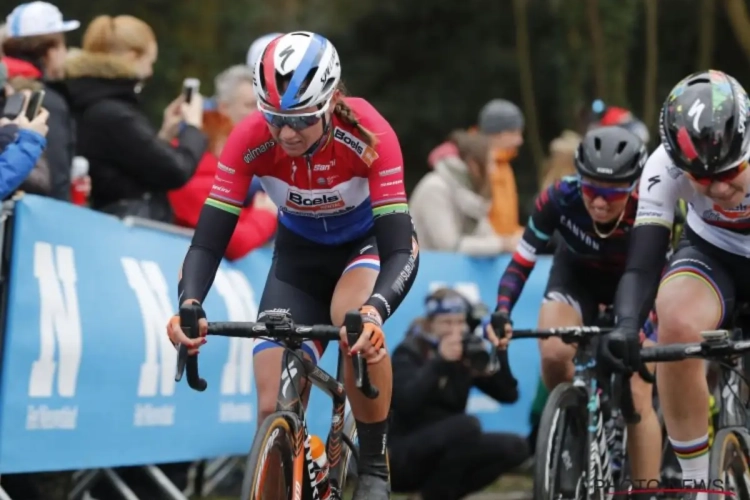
{"points": [[88, 372]]}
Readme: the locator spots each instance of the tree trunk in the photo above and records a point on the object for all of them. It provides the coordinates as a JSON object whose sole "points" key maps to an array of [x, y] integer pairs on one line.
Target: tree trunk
{"points": [[707, 24], [597, 48], [527, 82], [737, 14], [652, 64]]}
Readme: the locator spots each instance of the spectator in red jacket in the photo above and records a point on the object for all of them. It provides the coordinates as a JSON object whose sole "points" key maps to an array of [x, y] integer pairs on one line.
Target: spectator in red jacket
{"points": [[257, 222]]}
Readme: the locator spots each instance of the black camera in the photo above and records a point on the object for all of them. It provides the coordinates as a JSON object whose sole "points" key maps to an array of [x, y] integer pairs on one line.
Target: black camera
{"points": [[475, 352]]}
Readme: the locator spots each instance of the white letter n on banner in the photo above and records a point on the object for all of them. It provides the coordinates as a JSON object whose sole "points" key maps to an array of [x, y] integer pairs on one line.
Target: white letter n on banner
{"points": [[150, 287], [59, 322]]}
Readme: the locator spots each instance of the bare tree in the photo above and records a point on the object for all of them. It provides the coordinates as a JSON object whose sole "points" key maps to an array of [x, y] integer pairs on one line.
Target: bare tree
{"points": [[527, 82], [597, 48], [738, 19], [652, 64], [707, 24]]}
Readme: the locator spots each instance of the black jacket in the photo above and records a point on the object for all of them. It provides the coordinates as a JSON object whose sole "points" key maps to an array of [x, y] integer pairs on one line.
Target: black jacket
{"points": [[129, 165], [427, 389]]}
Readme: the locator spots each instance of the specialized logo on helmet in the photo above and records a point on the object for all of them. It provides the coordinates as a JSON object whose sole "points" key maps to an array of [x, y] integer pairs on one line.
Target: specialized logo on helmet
{"points": [[741, 97], [365, 152]]}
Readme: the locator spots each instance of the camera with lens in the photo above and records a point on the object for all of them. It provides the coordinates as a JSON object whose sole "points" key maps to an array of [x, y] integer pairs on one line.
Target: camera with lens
{"points": [[475, 351]]}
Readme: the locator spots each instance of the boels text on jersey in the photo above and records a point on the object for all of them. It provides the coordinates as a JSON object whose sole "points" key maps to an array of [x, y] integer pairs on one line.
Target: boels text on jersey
{"points": [[314, 202]]}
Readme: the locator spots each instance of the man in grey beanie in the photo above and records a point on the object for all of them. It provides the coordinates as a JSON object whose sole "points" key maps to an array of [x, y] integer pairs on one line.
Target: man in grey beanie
{"points": [[503, 122]]}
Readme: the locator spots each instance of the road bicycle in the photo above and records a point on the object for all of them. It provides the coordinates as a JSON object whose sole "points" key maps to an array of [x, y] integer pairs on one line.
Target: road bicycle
{"points": [[730, 451], [282, 442], [582, 432]]}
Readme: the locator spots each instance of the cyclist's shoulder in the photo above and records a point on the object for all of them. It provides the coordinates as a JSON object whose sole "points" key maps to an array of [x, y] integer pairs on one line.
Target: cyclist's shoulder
{"points": [[565, 192], [252, 139]]}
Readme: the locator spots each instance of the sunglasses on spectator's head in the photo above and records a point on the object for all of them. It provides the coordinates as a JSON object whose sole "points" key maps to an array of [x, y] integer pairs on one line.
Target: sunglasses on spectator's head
{"points": [[609, 194], [725, 176]]}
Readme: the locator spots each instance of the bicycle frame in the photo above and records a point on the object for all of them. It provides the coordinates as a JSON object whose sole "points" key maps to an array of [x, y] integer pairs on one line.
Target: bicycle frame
{"points": [[586, 378], [294, 368]]}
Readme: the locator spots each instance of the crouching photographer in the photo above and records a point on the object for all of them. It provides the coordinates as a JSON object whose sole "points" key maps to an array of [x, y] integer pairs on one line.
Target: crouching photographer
{"points": [[436, 449]]}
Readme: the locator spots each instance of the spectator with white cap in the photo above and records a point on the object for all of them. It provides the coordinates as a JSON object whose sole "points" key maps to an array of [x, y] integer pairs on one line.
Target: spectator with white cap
{"points": [[35, 34]]}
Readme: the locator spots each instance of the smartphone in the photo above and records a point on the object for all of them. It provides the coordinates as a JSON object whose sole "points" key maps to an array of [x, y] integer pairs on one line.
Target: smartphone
{"points": [[189, 87], [14, 105], [35, 104]]}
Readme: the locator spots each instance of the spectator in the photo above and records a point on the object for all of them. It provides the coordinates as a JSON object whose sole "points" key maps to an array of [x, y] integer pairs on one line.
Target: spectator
{"points": [[257, 223], [35, 47], [21, 144], [449, 205], [503, 122], [258, 46], [234, 93], [603, 115], [435, 447], [131, 165], [561, 161]]}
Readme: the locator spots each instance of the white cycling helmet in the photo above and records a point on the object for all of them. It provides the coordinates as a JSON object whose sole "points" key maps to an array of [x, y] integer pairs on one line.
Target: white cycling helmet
{"points": [[310, 65]]}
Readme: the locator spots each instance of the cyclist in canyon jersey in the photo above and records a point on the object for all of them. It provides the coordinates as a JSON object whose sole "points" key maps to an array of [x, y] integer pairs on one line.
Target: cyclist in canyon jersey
{"points": [[593, 213], [703, 159], [333, 166]]}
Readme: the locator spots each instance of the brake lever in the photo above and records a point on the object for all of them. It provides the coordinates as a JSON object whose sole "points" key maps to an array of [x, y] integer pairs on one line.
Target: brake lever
{"points": [[353, 326], [189, 324]]}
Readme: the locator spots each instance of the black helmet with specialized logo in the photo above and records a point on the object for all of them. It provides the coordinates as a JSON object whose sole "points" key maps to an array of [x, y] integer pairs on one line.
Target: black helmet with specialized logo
{"points": [[704, 124], [611, 154]]}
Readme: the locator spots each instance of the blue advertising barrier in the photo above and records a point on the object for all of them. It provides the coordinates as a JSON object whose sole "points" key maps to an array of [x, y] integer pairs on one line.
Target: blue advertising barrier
{"points": [[88, 372]]}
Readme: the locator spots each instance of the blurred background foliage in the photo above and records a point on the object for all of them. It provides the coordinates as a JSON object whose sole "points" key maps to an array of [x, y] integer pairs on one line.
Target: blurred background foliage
{"points": [[429, 66]]}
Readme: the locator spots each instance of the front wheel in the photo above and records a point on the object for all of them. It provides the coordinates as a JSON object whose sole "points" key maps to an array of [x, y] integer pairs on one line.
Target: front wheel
{"points": [[561, 458], [728, 466], [269, 471]]}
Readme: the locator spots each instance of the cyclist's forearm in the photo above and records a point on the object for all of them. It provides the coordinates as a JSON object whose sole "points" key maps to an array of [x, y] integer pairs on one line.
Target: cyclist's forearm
{"points": [[210, 240], [399, 261], [637, 289]]}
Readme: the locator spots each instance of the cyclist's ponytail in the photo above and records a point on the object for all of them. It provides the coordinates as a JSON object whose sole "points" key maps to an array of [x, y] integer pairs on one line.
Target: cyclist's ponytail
{"points": [[345, 114]]}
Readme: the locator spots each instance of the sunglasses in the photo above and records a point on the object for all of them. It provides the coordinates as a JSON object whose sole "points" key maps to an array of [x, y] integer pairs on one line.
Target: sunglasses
{"points": [[609, 194], [725, 176]]}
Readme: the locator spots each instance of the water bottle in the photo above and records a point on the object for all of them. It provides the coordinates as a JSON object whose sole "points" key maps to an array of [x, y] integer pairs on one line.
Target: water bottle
{"points": [[78, 188], [318, 452]]}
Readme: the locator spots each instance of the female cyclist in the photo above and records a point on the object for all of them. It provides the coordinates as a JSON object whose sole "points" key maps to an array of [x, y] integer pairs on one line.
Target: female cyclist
{"points": [[593, 213], [703, 158], [334, 168]]}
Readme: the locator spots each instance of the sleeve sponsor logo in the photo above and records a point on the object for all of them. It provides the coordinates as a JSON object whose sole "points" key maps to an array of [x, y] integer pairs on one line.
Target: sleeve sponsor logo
{"points": [[365, 152], [226, 169], [390, 171], [253, 153]]}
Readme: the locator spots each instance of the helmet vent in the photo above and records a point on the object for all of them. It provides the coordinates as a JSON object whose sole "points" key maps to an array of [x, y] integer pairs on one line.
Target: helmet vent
{"points": [[598, 144], [621, 147]]}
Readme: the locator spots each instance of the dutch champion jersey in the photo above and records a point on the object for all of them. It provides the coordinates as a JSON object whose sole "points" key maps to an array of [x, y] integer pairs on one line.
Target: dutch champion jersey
{"points": [[331, 197]]}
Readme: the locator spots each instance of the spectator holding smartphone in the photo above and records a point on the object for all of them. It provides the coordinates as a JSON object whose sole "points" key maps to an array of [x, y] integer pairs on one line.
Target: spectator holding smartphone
{"points": [[35, 48], [132, 165], [20, 154]]}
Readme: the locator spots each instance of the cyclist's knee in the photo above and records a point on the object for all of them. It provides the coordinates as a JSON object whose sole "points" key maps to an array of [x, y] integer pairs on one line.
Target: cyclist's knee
{"points": [[642, 395], [685, 306], [555, 353]]}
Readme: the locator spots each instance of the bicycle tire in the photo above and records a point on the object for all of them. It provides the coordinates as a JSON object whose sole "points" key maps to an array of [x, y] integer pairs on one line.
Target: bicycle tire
{"points": [[727, 452], [562, 397], [275, 432]]}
